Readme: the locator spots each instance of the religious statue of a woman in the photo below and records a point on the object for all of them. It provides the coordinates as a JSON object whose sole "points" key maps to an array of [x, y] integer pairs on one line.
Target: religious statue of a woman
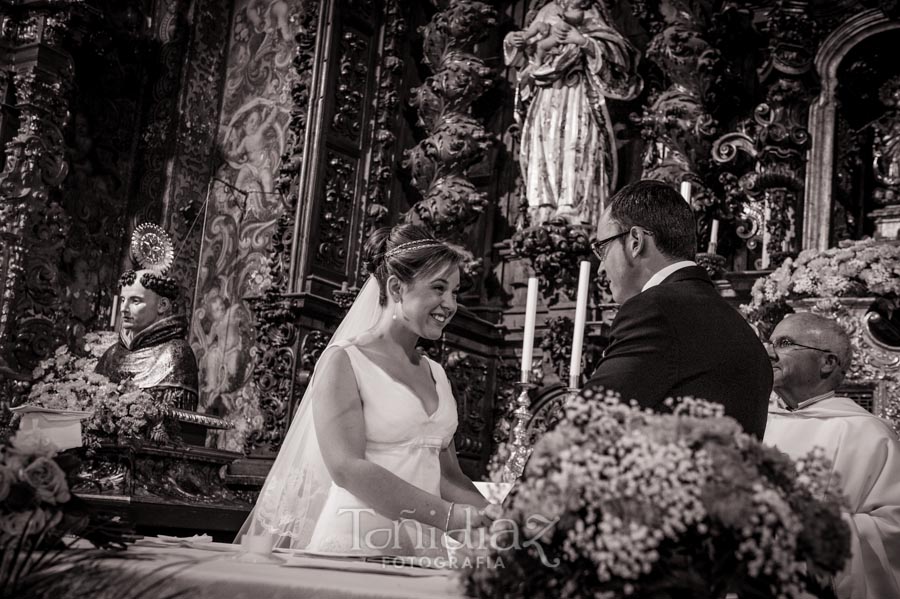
{"points": [[886, 144], [152, 350], [569, 61]]}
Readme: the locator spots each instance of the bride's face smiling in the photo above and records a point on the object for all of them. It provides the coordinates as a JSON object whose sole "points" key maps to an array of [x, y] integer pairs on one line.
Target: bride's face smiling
{"points": [[429, 303]]}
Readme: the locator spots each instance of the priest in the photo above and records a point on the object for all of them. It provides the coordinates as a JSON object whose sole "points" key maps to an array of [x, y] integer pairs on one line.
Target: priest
{"points": [[810, 356]]}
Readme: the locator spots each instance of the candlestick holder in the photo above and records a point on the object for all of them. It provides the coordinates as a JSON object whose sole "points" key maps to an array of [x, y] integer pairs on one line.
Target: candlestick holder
{"points": [[519, 437], [715, 267]]}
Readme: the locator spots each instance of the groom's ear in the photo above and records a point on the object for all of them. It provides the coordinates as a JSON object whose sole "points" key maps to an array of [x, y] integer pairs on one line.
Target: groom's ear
{"points": [[394, 287], [637, 242]]}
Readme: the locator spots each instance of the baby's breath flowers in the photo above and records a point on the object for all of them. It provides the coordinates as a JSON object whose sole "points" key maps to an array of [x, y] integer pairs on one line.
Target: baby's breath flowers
{"points": [[67, 381], [664, 505]]}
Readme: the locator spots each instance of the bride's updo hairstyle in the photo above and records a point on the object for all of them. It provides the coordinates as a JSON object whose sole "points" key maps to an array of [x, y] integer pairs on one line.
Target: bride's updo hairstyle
{"points": [[407, 252]]}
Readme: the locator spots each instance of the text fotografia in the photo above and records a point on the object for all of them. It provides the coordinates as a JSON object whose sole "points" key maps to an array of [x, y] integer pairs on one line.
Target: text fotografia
{"points": [[462, 548]]}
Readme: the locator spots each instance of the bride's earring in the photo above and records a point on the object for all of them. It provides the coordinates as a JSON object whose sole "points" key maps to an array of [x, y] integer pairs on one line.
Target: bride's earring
{"points": [[398, 302]]}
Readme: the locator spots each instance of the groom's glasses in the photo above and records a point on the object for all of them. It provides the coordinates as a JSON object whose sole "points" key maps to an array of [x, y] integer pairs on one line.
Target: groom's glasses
{"points": [[599, 246]]}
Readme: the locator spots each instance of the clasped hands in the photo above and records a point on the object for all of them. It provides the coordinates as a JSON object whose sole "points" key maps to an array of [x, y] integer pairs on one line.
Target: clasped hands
{"points": [[465, 518]]}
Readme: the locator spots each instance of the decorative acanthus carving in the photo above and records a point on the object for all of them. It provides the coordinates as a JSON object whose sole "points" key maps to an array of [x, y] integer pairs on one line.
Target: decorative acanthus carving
{"points": [[677, 125], [557, 345], [775, 138], [33, 310], [195, 141], [468, 376], [554, 250], [273, 376], [276, 313], [381, 170], [455, 139], [886, 145], [292, 159], [351, 86], [311, 348], [340, 174]]}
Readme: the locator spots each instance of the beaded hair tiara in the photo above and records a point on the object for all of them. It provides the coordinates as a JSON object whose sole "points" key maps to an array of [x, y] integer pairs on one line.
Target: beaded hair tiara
{"points": [[410, 245]]}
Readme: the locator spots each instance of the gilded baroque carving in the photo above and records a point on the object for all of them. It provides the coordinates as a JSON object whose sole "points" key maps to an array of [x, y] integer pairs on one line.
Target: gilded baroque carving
{"points": [[678, 126], [275, 313], [33, 308], [292, 159], [555, 250], [873, 362], [775, 138], [381, 170], [557, 345], [340, 181], [455, 139], [886, 146], [273, 376], [468, 376], [351, 86], [504, 406], [195, 136]]}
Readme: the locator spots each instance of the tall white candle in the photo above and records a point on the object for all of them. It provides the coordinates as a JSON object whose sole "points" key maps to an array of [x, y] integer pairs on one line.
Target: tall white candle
{"points": [[528, 339], [686, 191], [767, 216], [584, 279], [713, 237], [114, 313]]}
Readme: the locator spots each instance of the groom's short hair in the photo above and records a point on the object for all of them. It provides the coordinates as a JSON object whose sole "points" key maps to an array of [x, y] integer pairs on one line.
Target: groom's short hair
{"points": [[659, 208]]}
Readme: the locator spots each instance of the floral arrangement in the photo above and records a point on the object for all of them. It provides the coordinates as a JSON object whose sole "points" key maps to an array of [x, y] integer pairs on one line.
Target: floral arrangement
{"points": [[40, 522], [853, 269], [67, 381], [34, 487], [618, 501]]}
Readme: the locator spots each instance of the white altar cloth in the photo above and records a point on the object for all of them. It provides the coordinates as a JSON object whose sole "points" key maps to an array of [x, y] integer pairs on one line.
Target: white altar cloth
{"points": [[210, 574]]}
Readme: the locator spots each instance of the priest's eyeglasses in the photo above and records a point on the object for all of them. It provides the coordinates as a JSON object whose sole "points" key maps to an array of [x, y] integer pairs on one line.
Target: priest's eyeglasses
{"points": [[785, 343], [599, 246]]}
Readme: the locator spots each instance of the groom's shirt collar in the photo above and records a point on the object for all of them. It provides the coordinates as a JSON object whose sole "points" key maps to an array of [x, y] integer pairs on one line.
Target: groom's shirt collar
{"points": [[663, 273]]}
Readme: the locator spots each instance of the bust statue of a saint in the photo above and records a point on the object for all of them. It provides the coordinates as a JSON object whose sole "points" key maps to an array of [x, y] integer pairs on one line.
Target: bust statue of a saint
{"points": [[152, 350]]}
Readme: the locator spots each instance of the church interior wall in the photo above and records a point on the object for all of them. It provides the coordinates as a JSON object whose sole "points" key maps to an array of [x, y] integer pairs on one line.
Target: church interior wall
{"points": [[269, 137]]}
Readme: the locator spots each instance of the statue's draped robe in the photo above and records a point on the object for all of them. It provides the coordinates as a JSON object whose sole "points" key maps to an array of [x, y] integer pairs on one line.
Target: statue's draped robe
{"points": [[158, 359], [568, 151], [865, 454]]}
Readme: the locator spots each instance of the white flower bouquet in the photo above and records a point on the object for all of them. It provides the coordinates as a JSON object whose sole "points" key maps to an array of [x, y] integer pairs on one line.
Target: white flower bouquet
{"points": [[617, 501]]}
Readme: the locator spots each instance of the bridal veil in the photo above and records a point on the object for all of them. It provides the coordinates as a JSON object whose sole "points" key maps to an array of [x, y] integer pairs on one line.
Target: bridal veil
{"points": [[297, 486]]}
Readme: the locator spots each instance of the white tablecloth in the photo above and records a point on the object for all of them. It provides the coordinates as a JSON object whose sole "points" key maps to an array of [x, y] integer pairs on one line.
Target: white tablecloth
{"points": [[213, 575]]}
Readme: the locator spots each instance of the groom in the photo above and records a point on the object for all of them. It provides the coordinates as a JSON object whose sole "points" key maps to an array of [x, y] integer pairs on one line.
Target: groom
{"points": [[674, 335]]}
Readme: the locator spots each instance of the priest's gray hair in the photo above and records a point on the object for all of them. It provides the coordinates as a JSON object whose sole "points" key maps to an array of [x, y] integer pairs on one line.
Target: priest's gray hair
{"points": [[834, 337]]}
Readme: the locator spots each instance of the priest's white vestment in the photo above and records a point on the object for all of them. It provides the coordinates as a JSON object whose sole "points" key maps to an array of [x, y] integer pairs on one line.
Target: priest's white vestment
{"points": [[865, 453]]}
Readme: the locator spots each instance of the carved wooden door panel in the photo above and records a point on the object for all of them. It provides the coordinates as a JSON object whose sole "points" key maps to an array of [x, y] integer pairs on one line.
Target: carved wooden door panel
{"points": [[342, 141]]}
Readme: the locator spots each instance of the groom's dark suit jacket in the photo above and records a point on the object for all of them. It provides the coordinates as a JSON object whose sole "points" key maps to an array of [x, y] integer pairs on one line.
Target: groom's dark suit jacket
{"points": [[681, 338]]}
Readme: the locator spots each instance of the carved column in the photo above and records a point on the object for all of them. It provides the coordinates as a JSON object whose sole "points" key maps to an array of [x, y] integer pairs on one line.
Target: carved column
{"points": [[32, 222], [677, 126], [456, 140], [775, 138]]}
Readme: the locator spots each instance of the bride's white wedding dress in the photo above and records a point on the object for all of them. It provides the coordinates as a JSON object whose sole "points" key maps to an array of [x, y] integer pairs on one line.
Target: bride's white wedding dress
{"points": [[300, 507], [403, 439]]}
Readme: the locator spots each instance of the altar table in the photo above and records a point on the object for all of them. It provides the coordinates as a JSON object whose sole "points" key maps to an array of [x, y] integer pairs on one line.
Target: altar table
{"points": [[212, 574]]}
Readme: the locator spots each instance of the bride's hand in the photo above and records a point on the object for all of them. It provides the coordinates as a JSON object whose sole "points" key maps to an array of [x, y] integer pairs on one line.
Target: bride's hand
{"points": [[465, 516]]}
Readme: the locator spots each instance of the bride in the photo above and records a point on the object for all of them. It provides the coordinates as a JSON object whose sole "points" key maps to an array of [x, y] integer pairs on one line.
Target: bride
{"points": [[368, 465]]}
